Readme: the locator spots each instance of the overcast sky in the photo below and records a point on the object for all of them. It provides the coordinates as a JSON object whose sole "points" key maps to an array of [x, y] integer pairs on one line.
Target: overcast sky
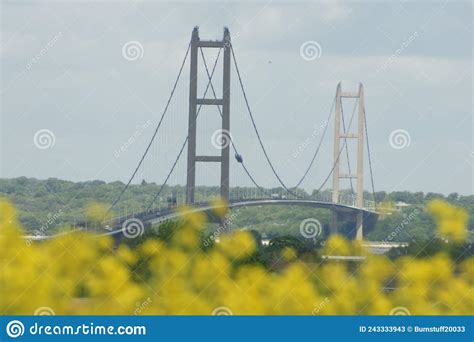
{"points": [[67, 75]]}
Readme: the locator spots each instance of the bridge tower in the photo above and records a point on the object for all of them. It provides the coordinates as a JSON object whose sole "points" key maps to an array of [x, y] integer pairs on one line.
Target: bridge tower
{"points": [[194, 102], [359, 175]]}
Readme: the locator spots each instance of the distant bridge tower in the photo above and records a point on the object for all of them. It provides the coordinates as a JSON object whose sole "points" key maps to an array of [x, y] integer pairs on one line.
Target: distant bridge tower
{"points": [[359, 175], [194, 102]]}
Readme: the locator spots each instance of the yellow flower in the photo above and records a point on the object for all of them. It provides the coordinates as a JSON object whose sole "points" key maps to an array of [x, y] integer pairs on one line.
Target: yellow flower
{"points": [[8, 216], [451, 220], [219, 206], [97, 213], [81, 273], [192, 218], [289, 254], [186, 237], [125, 254], [238, 245], [337, 245]]}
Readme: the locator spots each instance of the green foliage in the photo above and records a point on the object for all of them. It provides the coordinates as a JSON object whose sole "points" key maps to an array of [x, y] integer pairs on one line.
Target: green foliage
{"points": [[423, 249], [65, 201], [163, 232], [300, 245]]}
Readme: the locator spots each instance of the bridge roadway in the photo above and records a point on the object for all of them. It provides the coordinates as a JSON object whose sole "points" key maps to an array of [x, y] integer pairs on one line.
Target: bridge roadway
{"points": [[161, 215]]}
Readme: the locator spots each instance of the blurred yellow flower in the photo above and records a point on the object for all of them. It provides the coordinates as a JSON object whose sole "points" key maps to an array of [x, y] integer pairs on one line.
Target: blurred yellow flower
{"points": [[337, 245], [82, 273], [219, 206], [97, 213], [451, 220], [289, 254], [238, 245]]}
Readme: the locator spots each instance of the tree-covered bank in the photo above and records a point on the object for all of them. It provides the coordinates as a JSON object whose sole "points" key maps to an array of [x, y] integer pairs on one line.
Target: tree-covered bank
{"points": [[53, 203]]}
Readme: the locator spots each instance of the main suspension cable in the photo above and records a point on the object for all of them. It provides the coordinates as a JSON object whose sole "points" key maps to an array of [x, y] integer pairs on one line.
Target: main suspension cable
{"points": [[155, 132], [319, 145], [230, 138], [256, 129], [369, 157], [187, 137], [346, 146], [340, 151]]}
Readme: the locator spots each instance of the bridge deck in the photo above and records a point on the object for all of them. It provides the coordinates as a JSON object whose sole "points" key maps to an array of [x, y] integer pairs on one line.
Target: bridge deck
{"points": [[161, 215]]}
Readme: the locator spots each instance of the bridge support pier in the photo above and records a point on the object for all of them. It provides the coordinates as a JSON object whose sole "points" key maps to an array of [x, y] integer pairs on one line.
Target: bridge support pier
{"points": [[333, 228], [359, 174], [352, 224], [117, 239], [359, 225], [195, 103]]}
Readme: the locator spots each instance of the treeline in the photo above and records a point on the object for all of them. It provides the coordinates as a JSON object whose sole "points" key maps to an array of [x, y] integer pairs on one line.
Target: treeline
{"points": [[55, 202]]}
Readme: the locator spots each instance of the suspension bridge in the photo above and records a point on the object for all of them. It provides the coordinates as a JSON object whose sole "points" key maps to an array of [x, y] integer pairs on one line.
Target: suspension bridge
{"points": [[345, 204]]}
